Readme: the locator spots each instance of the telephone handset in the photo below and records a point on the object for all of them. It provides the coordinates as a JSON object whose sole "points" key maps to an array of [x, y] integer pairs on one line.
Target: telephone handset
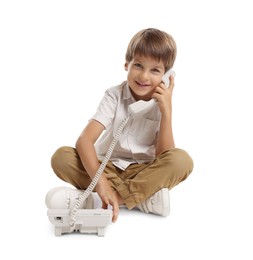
{"points": [[166, 77], [142, 107]]}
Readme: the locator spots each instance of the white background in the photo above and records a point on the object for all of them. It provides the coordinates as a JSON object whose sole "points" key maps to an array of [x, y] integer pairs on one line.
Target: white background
{"points": [[56, 60]]}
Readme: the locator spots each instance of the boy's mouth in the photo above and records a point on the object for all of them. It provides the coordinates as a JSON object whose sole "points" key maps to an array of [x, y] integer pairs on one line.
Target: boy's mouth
{"points": [[142, 84]]}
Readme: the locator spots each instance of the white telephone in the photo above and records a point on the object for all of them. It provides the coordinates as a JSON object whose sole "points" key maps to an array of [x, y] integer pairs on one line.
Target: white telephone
{"points": [[96, 220], [142, 107]]}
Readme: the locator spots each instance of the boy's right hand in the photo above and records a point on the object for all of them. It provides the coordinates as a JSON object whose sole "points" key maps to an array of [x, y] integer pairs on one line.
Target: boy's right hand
{"points": [[108, 196]]}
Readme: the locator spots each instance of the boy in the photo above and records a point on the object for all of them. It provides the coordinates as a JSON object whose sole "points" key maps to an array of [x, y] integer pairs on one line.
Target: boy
{"points": [[145, 163]]}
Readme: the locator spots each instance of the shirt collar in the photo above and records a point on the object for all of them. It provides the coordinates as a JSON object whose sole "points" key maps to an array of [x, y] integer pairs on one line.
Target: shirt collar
{"points": [[126, 91]]}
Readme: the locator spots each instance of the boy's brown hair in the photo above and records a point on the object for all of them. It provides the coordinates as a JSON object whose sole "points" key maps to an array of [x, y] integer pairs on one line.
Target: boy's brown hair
{"points": [[153, 43]]}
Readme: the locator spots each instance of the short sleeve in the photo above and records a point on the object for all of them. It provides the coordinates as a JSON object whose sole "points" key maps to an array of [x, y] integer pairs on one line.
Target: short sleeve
{"points": [[106, 109]]}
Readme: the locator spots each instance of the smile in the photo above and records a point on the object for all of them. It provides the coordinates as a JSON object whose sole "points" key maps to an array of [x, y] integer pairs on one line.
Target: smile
{"points": [[141, 84]]}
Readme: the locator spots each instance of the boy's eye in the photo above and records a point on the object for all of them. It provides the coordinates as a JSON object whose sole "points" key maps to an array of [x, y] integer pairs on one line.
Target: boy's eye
{"points": [[156, 70], [138, 65]]}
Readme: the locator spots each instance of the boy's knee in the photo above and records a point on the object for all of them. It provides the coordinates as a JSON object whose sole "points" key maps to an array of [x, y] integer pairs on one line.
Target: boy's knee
{"points": [[184, 159], [59, 158], [180, 160]]}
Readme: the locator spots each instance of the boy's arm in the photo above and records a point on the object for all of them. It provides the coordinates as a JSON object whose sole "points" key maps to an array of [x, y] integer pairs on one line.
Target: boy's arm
{"points": [[87, 153], [165, 140]]}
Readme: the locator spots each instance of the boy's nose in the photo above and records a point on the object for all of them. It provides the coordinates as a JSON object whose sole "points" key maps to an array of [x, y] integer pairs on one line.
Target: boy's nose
{"points": [[143, 76]]}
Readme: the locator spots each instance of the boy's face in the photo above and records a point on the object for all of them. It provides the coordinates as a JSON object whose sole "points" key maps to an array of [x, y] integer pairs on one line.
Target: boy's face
{"points": [[144, 75]]}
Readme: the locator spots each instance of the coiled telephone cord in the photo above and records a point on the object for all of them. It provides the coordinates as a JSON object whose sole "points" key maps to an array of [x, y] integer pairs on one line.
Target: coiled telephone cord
{"points": [[100, 170]]}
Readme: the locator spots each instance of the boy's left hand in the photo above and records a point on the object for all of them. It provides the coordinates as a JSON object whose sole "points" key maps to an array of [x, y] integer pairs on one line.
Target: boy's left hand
{"points": [[164, 96]]}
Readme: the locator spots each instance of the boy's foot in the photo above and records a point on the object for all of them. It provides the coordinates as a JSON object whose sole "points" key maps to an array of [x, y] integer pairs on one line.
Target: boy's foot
{"points": [[158, 204], [65, 198]]}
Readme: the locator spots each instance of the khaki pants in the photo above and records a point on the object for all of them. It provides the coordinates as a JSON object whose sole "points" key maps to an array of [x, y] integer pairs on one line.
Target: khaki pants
{"points": [[137, 183]]}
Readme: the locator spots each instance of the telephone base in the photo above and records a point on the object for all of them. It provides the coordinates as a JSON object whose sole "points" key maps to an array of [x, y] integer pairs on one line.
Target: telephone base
{"points": [[87, 220]]}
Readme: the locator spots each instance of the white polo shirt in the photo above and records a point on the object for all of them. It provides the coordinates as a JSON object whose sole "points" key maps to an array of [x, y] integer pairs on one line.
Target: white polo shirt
{"points": [[137, 141]]}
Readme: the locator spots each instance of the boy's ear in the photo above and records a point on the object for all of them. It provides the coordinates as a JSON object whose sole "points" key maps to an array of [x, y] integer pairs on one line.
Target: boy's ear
{"points": [[126, 66]]}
